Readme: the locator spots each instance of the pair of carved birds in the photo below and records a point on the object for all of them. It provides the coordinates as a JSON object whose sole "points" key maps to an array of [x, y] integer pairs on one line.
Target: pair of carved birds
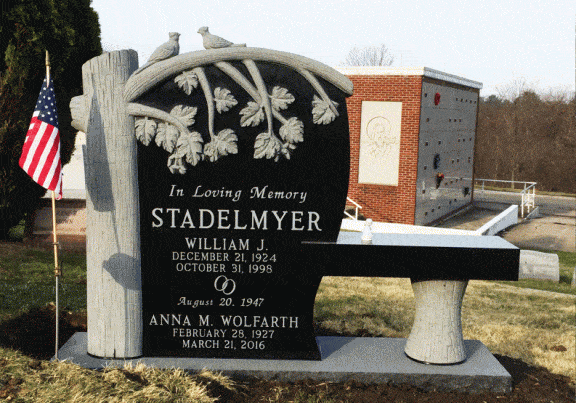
{"points": [[172, 47], [164, 51], [215, 42]]}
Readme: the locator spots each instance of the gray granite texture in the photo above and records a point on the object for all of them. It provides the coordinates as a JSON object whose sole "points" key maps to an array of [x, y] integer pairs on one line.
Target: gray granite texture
{"points": [[364, 359]]}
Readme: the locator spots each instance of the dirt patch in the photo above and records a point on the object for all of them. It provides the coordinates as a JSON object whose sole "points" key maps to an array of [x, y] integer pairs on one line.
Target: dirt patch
{"points": [[535, 385], [33, 334], [9, 387]]}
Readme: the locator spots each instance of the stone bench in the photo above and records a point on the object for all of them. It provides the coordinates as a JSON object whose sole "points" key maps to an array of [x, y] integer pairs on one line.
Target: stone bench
{"points": [[439, 267]]}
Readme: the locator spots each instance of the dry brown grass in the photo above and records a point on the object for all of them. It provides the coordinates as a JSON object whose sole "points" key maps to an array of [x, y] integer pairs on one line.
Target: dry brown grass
{"points": [[371, 306], [41, 381], [531, 325], [536, 327]]}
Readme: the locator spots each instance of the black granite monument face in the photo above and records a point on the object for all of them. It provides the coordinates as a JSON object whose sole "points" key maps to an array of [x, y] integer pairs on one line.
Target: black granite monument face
{"points": [[254, 161]]}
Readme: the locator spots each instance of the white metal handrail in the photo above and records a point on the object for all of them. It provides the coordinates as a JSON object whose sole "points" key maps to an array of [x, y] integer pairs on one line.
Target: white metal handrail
{"points": [[528, 192], [355, 216]]}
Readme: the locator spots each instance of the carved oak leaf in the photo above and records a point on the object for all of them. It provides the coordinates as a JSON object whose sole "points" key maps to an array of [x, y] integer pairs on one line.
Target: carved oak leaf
{"points": [[176, 165], [321, 113], [281, 98], [252, 115], [167, 136], [287, 149], [145, 130], [190, 147], [222, 144], [267, 145], [292, 131], [188, 80], [224, 100], [185, 114]]}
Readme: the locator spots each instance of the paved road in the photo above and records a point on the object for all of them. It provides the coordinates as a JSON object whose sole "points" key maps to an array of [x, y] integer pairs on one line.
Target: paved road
{"points": [[549, 205]]}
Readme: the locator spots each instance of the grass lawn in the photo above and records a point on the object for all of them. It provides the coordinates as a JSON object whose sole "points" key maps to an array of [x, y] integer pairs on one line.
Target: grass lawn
{"points": [[27, 279], [50, 382]]}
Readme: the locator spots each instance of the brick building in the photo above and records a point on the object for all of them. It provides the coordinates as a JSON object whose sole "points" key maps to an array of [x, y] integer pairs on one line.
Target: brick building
{"points": [[412, 134]]}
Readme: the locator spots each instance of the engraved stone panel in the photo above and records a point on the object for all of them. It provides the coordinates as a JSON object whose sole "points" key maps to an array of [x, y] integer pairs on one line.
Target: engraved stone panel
{"points": [[380, 143]]}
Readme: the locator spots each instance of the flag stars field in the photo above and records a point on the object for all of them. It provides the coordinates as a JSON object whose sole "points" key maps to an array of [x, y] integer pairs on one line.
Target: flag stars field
{"points": [[41, 152]]}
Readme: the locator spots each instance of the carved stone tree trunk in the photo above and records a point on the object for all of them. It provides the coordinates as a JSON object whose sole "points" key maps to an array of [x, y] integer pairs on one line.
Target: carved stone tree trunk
{"points": [[436, 336], [114, 298]]}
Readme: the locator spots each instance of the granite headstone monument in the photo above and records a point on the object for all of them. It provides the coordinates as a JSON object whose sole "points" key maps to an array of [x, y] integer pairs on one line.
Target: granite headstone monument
{"points": [[239, 161], [216, 184]]}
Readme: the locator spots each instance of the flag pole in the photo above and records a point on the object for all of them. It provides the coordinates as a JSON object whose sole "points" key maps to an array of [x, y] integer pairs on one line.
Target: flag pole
{"points": [[57, 271]]}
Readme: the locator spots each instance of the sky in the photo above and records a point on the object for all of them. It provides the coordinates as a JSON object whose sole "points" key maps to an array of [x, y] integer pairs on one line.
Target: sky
{"points": [[494, 42]]}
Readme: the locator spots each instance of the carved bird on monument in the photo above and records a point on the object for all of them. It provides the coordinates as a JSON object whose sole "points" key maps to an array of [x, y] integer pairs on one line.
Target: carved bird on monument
{"points": [[164, 51], [215, 42]]}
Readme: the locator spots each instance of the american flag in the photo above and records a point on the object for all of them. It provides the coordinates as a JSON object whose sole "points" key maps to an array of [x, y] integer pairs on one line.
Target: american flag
{"points": [[41, 152]]}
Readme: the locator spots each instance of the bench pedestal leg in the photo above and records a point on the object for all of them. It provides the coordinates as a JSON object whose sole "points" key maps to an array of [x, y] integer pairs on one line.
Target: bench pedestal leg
{"points": [[436, 336]]}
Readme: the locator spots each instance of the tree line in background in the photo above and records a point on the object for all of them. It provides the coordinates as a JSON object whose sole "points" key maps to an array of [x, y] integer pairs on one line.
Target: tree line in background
{"points": [[524, 135], [69, 30]]}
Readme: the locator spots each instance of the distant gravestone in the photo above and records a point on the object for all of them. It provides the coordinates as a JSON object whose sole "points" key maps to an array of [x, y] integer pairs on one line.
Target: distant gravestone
{"points": [[70, 224], [71, 211], [70, 220], [539, 266]]}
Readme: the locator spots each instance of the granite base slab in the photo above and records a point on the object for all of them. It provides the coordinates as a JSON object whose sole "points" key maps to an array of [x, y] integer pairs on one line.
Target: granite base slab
{"points": [[363, 359]]}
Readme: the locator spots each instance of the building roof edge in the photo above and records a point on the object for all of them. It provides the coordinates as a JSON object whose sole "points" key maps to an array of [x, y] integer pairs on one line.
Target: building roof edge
{"points": [[408, 71]]}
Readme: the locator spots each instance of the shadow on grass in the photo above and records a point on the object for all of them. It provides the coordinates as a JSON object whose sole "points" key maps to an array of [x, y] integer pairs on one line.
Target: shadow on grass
{"points": [[34, 332]]}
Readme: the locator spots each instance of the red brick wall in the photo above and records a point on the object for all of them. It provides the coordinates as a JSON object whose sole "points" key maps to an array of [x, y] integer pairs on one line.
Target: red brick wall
{"points": [[387, 203]]}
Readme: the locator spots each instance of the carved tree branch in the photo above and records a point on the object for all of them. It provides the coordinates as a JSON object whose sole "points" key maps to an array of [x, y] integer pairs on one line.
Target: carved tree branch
{"points": [[158, 72], [314, 82], [255, 73], [81, 109], [237, 76], [278, 116], [267, 144], [209, 98], [135, 109]]}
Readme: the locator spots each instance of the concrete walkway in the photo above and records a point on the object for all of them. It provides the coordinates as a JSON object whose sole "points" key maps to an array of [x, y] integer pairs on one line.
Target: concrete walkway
{"points": [[470, 220], [544, 232]]}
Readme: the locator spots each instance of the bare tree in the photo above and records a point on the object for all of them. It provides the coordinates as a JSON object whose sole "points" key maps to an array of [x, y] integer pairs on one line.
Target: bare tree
{"points": [[560, 94], [369, 56], [528, 136], [514, 89]]}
